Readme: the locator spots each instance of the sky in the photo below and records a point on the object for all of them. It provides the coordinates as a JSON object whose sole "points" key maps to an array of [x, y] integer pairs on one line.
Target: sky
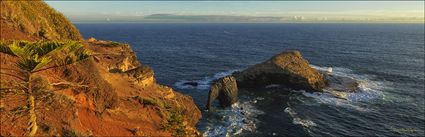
{"points": [[248, 11]]}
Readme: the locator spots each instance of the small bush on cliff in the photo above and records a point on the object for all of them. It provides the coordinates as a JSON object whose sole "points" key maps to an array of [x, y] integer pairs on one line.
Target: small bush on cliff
{"points": [[175, 123], [113, 43], [34, 57], [152, 102]]}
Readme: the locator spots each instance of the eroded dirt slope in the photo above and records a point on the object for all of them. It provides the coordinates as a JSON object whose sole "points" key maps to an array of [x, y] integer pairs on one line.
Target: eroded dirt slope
{"points": [[109, 94]]}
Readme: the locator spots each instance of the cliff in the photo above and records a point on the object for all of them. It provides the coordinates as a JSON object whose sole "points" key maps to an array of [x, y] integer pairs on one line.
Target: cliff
{"points": [[109, 93]]}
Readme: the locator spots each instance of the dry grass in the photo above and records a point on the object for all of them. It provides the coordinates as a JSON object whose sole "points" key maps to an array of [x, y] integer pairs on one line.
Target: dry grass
{"points": [[36, 18]]}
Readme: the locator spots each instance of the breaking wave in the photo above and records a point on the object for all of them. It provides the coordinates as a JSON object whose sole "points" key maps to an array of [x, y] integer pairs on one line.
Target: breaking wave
{"points": [[232, 121], [367, 90], [297, 120]]}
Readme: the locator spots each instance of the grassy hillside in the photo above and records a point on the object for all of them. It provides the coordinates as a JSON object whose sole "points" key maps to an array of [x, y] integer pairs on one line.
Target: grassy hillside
{"points": [[34, 20]]}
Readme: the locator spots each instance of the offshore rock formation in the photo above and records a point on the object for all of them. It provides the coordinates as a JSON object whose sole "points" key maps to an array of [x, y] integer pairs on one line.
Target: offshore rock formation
{"points": [[109, 94], [287, 69], [225, 89], [191, 83]]}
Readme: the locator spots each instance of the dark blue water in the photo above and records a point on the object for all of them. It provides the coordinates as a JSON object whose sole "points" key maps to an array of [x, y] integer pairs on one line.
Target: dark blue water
{"points": [[387, 58]]}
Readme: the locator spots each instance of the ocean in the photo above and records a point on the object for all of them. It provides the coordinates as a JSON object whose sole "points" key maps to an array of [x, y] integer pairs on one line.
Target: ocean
{"points": [[387, 59]]}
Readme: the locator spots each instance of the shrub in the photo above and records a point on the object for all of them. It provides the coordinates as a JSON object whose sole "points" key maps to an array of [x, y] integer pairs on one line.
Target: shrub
{"points": [[34, 57], [175, 123]]}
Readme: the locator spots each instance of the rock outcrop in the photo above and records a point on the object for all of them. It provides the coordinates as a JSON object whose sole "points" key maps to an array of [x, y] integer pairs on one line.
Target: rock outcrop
{"points": [[225, 89], [191, 83], [287, 68]]}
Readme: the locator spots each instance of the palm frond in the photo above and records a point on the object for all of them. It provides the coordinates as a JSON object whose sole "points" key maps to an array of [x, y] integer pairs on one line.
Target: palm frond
{"points": [[36, 55], [82, 54], [50, 48], [26, 64], [33, 57], [75, 53], [41, 62], [4, 48], [18, 50]]}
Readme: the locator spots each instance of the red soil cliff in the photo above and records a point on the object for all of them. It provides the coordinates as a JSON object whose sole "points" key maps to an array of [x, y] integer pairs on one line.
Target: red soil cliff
{"points": [[109, 94]]}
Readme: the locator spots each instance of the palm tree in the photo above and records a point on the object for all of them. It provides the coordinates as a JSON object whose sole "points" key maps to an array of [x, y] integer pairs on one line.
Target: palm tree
{"points": [[35, 57]]}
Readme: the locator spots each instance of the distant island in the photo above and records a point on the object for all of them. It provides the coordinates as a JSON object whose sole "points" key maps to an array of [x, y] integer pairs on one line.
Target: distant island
{"points": [[173, 18]]}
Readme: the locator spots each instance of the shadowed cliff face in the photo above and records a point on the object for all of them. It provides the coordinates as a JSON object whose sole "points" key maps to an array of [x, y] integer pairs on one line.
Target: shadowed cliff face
{"points": [[110, 93], [225, 90]]}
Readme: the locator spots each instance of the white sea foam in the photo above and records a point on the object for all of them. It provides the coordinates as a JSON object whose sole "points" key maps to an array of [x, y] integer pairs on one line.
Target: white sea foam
{"points": [[368, 90], [203, 84], [303, 122], [231, 121], [240, 117], [290, 111], [297, 120], [272, 86]]}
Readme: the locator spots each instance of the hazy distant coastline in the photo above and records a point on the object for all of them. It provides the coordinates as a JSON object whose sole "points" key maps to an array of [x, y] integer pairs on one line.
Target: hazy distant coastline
{"points": [[172, 18]]}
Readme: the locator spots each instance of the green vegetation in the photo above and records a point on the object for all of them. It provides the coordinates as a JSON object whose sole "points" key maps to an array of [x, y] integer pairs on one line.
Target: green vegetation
{"points": [[153, 102], [175, 122], [113, 43], [39, 56]]}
